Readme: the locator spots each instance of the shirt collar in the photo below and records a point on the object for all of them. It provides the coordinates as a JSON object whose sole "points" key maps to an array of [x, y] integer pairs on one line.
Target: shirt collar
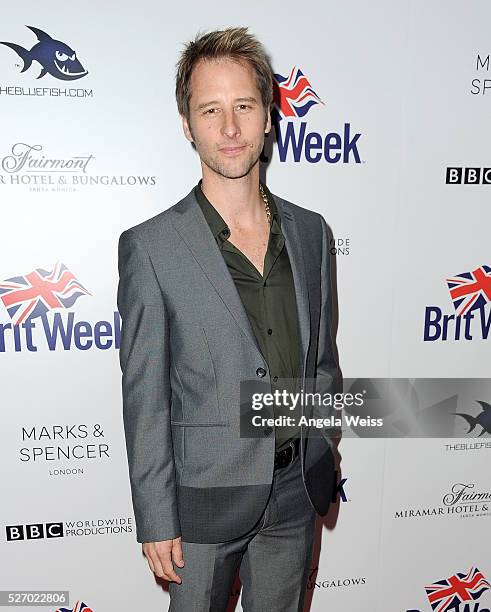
{"points": [[216, 222]]}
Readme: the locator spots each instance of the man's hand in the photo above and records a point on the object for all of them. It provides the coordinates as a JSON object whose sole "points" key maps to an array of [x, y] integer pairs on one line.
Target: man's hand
{"points": [[160, 556]]}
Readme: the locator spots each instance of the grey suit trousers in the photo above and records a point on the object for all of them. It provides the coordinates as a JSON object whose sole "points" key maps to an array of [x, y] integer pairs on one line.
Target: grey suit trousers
{"points": [[273, 558]]}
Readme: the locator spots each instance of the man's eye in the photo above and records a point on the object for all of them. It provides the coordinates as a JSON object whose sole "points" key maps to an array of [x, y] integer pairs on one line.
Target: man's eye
{"points": [[210, 111], [244, 106]]}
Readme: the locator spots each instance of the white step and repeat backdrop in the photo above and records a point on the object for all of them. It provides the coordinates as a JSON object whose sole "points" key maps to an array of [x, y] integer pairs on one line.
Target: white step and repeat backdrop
{"points": [[406, 95]]}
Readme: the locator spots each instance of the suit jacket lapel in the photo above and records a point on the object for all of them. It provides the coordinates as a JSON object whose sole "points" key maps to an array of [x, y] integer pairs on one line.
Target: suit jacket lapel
{"points": [[189, 221], [293, 241]]}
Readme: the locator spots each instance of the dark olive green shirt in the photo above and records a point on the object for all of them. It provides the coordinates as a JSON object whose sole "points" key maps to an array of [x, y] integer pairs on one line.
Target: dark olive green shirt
{"points": [[269, 301]]}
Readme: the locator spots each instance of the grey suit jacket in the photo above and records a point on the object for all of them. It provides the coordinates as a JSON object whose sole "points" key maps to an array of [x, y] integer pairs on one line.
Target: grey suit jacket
{"points": [[186, 343]]}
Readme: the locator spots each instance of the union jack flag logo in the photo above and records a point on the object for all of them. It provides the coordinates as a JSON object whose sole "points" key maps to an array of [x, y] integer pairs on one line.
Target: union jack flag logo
{"points": [[449, 593], [470, 290], [79, 607], [293, 95], [32, 295]]}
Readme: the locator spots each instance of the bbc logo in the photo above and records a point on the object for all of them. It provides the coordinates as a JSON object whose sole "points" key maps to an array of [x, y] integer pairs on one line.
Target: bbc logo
{"points": [[468, 176], [37, 531]]}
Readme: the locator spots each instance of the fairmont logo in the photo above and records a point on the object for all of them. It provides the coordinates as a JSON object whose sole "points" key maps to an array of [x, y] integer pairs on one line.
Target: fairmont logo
{"points": [[24, 157], [462, 500], [26, 164], [464, 493]]}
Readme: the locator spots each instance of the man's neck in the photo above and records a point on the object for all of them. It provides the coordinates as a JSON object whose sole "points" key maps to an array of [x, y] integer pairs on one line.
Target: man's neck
{"points": [[238, 201]]}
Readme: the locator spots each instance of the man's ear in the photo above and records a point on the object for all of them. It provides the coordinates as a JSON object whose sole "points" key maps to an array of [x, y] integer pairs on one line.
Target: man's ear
{"points": [[186, 129], [267, 127]]}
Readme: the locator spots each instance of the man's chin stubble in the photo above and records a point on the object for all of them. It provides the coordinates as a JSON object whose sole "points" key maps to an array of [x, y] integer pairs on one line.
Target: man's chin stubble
{"points": [[226, 172]]}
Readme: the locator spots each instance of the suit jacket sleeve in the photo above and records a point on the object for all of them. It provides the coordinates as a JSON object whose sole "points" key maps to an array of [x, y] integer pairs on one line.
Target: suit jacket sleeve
{"points": [[144, 358], [328, 373]]}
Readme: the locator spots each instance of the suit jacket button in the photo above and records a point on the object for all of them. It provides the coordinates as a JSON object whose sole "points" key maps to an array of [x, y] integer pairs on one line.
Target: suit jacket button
{"points": [[261, 372], [268, 431]]}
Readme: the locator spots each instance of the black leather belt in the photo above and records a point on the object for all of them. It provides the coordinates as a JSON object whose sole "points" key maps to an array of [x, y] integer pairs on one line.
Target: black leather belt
{"points": [[287, 455]]}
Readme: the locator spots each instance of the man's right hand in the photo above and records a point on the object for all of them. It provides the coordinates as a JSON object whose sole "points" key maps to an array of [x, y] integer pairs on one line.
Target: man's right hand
{"points": [[160, 556]]}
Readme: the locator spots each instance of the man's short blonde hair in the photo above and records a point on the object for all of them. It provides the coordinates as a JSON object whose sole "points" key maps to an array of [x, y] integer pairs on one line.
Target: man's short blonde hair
{"points": [[232, 43]]}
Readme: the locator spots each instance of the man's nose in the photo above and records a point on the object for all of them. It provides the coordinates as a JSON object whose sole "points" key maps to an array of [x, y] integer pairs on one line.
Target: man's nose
{"points": [[230, 126]]}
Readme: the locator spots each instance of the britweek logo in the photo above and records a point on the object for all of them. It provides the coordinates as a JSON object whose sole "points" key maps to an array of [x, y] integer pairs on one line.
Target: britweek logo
{"points": [[293, 99], [470, 293], [55, 58], [28, 299], [459, 593], [80, 606]]}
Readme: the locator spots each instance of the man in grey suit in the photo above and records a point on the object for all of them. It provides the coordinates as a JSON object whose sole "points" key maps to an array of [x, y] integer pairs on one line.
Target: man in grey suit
{"points": [[230, 284]]}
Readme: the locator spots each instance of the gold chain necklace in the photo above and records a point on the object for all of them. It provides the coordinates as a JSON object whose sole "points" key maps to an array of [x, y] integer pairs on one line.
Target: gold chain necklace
{"points": [[266, 203]]}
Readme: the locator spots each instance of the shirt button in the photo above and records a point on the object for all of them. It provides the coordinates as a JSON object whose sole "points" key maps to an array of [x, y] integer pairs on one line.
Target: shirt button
{"points": [[270, 331], [261, 372], [226, 232], [275, 378], [268, 431]]}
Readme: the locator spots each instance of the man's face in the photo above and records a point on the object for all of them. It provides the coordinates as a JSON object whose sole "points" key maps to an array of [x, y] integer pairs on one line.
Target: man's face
{"points": [[227, 120]]}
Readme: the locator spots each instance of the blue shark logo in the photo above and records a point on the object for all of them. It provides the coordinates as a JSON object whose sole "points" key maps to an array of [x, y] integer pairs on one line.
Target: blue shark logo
{"points": [[55, 57], [483, 418]]}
